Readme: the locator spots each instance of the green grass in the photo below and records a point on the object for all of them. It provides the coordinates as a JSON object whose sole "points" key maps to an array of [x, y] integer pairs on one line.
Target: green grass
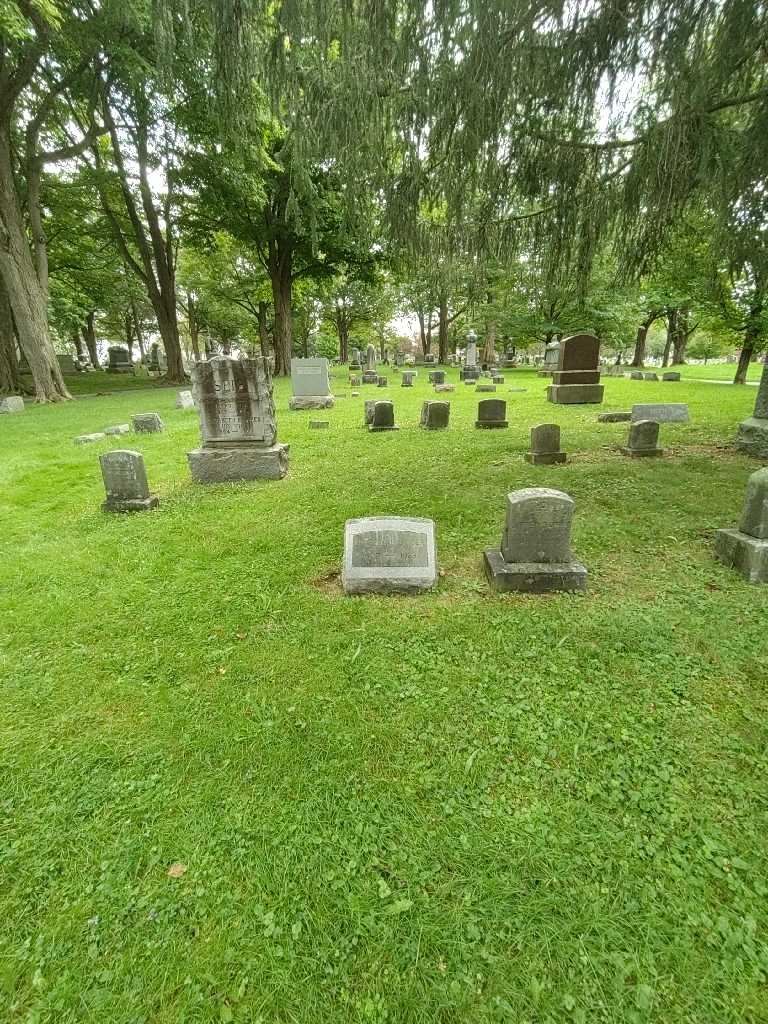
{"points": [[716, 371], [456, 808], [82, 384]]}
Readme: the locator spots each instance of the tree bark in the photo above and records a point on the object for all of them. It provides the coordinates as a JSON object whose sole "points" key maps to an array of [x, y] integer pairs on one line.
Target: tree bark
{"points": [[27, 297], [683, 332], [282, 294], [89, 336], [753, 336], [672, 327], [10, 378], [442, 330], [263, 333], [638, 359]]}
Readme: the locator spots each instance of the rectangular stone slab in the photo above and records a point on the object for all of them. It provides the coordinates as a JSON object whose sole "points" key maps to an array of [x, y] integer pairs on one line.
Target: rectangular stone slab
{"points": [[389, 554], [576, 377], [225, 465], [747, 555], [661, 412], [310, 377], [575, 394], [533, 577]]}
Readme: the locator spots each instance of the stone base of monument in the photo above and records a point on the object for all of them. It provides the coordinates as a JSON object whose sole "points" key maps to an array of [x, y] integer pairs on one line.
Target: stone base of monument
{"points": [[311, 402], [225, 465], [130, 504], [544, 373], [642, 453], [575, 394], [545, 458], [752, 438], [748, 555], [370, 377], [491, 424], [533, 577]]}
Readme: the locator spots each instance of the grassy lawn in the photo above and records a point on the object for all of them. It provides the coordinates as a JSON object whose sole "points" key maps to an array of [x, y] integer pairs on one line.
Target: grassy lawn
{"points": [[716, 371], [455, 808], [81, 384]]}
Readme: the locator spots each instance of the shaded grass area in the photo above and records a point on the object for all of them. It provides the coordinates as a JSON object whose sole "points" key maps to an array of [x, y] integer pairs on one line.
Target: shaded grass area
{"points": [[717, 371], [461, 807], [102, 383]]}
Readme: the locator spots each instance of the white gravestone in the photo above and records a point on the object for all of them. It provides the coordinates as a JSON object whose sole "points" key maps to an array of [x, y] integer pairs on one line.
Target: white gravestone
{"points": [[389, 555], [311, 384]]}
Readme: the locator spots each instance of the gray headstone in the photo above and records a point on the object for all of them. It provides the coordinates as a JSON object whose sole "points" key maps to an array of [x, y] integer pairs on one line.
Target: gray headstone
{"points": [[491, 413], [381, 382], [185, 400], [746, 549], [125, 481], [545, 445], [90, 438], [11, 403], [752, 437], [650, 376], [383, 417], [117, 429], [670, 375], [579, 352], [389, 554], [614, 417], [148, 423], [66, 364], [636, 375], [437, 377], [471, 358], [311, 384], [237, 422], [643, 439], [754, 519], [435, 415], [485, 388], [535, 555], [368, 407], [370, 358], [319, 424], [444, 388], [406, 380], [661, 412], [119, 359]]}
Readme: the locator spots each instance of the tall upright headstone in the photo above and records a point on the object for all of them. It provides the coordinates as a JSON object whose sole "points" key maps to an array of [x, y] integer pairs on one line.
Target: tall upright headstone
{"points": [[370, 375], [535, 555], [237, 422], [311, 384], [125, 481], [576, 381], [752, 437], [551, 357], [746, 549], [119, 360], [470, 370]]}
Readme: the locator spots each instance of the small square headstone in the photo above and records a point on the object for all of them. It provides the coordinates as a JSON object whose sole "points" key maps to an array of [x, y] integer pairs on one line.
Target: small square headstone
{"points": [[381, 382], [90, 438], [661, 412], [125, 481], [650, 376], [746, 549], [435, 415], [636, 375], [491, 413], [185, 400], [11, 403], [383, 417], [643, 440], [117, 429], [545, 445], [319, 424], [535, 555], [670, 375], [148, 423], [389, 555]]}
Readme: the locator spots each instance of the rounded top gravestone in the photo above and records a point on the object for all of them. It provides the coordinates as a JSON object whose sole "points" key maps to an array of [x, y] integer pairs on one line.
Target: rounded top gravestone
{"points": [[538, 526], [579, 352]]}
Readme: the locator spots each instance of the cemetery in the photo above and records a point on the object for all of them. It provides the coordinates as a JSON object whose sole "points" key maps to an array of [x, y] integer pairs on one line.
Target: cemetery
{"points": [[384, 504]]}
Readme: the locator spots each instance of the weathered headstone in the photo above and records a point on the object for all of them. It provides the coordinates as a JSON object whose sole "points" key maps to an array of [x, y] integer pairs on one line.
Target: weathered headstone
{"points": [[319, 424], [370, 376], [643, 440], [311, 384], [435, 415], [90, 438], [670, 375], [148, 423], [752, 437], [650, 376], [614, 417], [354, 363], [354, 382], [437, 377], [661, 412], [551, 356], [157, 361], [430, 359], [389, 555], [535, 555], [66, 363], [381, 382], [497, 378], [118, 429], [746, 549], [491, 414], [636, 375], [470, 371], [545, 445], [185, 400], [11, 403], [485, 388], [383, 417], [237, 422], [576, 381], [119, 360], [406, 381], [368, 407], [444, 388], [125, 481]]}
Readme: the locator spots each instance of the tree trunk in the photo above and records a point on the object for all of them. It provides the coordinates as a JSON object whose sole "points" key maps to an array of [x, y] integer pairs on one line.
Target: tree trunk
{"points": [[753, 336], [282, 293], [671, 334], [681, 336], [638, 359], [263, 332], [27, 298], [89, 336], [442, 331], [343, 331], [137, 329], [745, 357], [194, 327], [10, 378]]}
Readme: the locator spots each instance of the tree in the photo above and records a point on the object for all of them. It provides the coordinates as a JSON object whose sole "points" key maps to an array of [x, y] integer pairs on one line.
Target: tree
{"points": [[47, 116]]}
